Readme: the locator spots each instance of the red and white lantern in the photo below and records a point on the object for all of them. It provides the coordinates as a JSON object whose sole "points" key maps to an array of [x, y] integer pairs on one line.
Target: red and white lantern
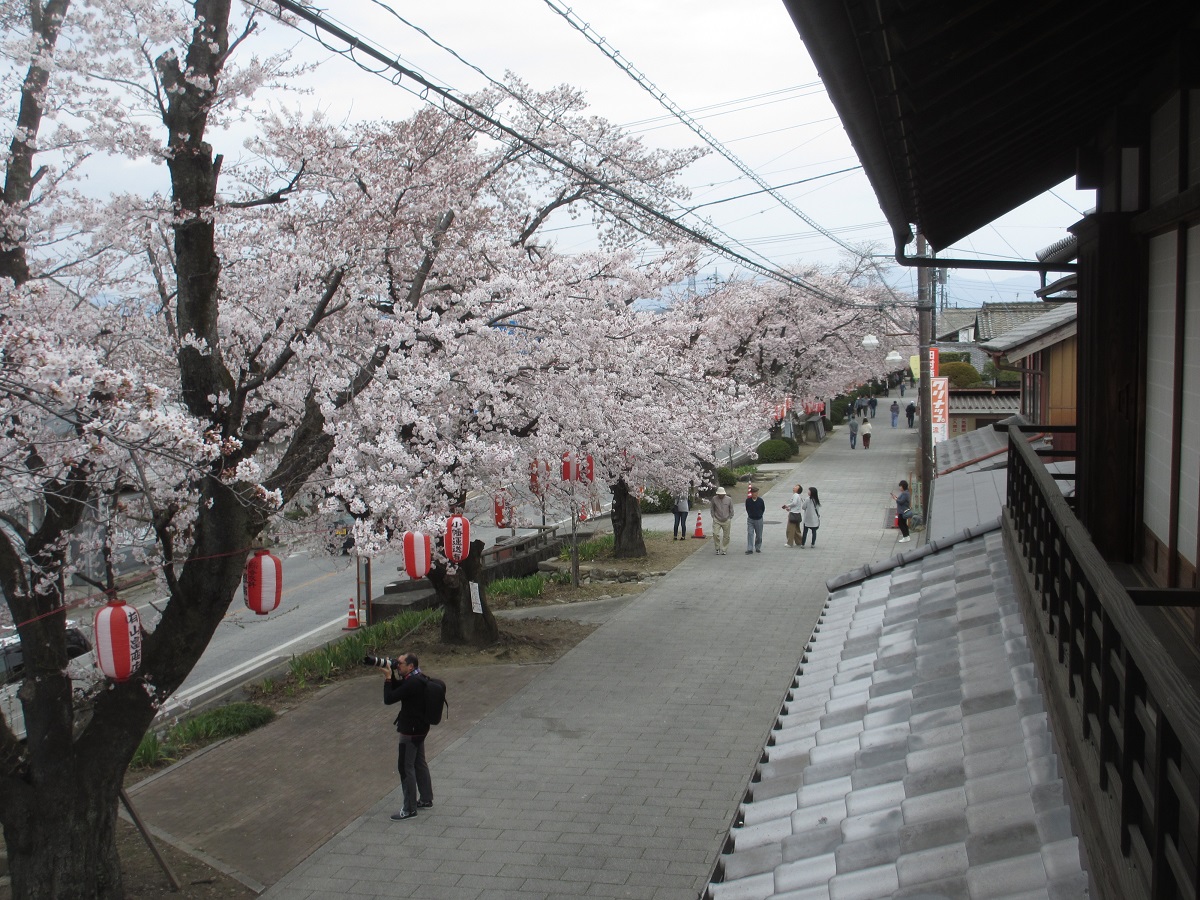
{"points": [[262, 585], [576, 469], [457, 543], [539, 476], [117, 630], [418, 553], [502, 511]]}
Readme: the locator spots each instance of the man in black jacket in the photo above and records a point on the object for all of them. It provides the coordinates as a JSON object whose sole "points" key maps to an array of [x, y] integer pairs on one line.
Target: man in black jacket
{"points": [[406, 685], [756, 508]]}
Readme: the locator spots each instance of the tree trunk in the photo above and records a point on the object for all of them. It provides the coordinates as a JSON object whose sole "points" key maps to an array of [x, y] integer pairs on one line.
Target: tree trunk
{"points": [[66, 849], [626, 516], [460, 623]]}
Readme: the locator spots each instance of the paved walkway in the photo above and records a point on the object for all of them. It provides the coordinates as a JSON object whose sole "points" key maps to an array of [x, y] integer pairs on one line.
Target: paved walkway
{"points": [[614, 772]]}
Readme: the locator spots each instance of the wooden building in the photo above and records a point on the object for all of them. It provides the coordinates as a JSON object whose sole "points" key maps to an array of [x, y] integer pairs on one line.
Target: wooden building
{"points": [[959, 113]]}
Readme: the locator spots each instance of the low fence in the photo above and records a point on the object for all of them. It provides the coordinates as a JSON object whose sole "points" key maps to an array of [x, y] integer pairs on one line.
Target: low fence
{"points": [[1122, 699]]}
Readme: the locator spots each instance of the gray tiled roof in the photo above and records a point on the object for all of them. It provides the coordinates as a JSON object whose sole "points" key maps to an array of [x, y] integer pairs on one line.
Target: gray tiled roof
{"points": [[996, 319], [983, 448], [912, 756], [997, 403], [952, 321], [1061, 314]]}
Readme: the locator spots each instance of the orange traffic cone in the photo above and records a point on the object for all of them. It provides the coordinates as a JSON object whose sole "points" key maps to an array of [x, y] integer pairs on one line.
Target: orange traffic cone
{"points": [[699, 533], [352, 621]]}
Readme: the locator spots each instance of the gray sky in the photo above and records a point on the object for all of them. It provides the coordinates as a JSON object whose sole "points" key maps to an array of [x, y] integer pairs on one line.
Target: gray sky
{"points": [[738, 69]]}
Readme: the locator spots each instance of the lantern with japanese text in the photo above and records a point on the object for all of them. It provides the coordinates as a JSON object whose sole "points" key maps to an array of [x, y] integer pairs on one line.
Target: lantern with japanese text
{"points": [[457, 543], [576, 469], [417, 554], [539, 476], [502, 511], [262, 584], [117, 630]]}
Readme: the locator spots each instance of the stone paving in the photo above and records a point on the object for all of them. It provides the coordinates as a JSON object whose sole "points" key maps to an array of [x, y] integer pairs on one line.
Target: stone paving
{"points": [[618, 771]]}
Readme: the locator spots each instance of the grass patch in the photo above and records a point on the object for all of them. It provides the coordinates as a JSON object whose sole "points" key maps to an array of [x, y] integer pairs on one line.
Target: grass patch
{"points": [[591, 549], [527, 588], [191, 734], [343, 656]]}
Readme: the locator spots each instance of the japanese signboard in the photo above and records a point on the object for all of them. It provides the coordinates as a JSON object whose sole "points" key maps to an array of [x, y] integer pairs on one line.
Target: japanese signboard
{"points": [[940, 389]]}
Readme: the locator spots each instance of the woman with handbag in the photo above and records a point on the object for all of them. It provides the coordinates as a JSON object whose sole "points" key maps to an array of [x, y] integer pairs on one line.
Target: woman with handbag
{"points": [[903, 510], [811, 513]]}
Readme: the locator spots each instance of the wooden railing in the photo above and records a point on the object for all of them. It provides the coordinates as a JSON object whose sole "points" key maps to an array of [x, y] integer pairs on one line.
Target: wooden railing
{"points": [[1126, 716]]}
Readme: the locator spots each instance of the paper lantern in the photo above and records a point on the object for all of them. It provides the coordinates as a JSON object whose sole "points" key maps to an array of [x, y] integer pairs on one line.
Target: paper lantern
{"points": [[539, 476], [575, 469], [457, 544], [417, 554], [502, 511], [117, 630], [262, 585]]}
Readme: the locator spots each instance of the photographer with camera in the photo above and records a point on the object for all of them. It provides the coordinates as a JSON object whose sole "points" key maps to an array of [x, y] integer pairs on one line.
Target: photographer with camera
{"points": [[406, 685]]}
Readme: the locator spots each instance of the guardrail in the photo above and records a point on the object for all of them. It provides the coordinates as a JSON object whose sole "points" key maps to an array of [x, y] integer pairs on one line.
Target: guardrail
{"points": [[1122, 698]]}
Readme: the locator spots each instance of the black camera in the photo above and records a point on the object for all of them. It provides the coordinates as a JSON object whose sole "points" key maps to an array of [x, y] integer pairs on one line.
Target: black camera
{"points": [[381, 662]]}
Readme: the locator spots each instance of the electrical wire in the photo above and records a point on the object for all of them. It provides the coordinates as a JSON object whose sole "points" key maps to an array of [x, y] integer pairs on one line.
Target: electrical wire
{"points": [[356, 46]]}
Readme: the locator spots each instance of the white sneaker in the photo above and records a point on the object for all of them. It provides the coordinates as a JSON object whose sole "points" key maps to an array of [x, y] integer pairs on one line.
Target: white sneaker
{"points": [[903, 540]]}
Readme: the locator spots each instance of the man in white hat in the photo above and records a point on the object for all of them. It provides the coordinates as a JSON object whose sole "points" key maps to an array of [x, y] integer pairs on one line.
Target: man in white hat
{"points": [[722, 515]]}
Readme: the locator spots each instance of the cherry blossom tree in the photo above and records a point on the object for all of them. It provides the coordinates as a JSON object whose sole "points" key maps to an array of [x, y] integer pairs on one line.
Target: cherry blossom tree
{"points": [[364, 320]]}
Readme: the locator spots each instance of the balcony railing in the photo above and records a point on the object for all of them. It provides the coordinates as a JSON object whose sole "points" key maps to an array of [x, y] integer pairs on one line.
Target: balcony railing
{"points": [[1125, 714]]}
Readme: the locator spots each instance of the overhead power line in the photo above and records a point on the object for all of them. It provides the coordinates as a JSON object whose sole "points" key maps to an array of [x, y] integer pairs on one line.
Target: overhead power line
{"points": [[647, 85], [359, 45]]}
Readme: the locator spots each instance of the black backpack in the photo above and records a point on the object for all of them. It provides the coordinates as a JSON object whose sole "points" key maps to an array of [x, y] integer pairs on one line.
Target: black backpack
{"points": [[435, 699]]}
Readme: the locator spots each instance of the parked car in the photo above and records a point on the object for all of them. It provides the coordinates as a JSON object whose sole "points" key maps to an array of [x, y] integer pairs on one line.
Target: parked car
{"points": [[81, 665]]}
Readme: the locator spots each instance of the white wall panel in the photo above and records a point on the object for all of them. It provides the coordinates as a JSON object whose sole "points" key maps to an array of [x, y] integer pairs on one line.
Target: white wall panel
{"points": [[1189, 457], [1160, 365]]}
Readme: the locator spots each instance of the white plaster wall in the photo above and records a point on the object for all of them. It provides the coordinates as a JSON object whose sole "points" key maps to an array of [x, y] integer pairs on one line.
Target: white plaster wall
{"points": [[1160, 364], [1189, 457]]}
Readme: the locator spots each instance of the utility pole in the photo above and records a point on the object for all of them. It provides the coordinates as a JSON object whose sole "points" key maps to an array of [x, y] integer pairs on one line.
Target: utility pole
{"points": [[925, 335]]}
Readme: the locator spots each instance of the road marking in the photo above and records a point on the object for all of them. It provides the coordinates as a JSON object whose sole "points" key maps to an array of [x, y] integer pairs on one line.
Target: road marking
{"points": [[248, 665]]}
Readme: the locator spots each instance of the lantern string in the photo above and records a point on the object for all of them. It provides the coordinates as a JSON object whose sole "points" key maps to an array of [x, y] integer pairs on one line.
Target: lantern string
{"points": [[107, 592]]}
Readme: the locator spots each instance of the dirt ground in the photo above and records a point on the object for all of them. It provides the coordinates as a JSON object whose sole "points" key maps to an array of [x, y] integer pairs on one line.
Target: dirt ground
{"points": [[521, 641]]}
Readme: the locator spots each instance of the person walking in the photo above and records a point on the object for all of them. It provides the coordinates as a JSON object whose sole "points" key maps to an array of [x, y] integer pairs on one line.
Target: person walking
{"points": [[755, 510], [865, 430], [895, 410], [903, 511], [910, 411], [811, 515], [853, 426], [406, 685], [721, 511], [679, 529], [872, 403], [794, 518]]}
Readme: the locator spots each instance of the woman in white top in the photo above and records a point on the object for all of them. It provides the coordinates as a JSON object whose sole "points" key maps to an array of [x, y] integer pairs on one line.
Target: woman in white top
{"points": [[810, 511]]}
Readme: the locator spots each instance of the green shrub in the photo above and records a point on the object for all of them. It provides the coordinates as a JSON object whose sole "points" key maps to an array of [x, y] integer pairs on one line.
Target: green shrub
{"points": [[839, 410], [961, 374], [527, 588], [656, 502], [774, 451], [726, 477], [791, 442], [1000, 376]]}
